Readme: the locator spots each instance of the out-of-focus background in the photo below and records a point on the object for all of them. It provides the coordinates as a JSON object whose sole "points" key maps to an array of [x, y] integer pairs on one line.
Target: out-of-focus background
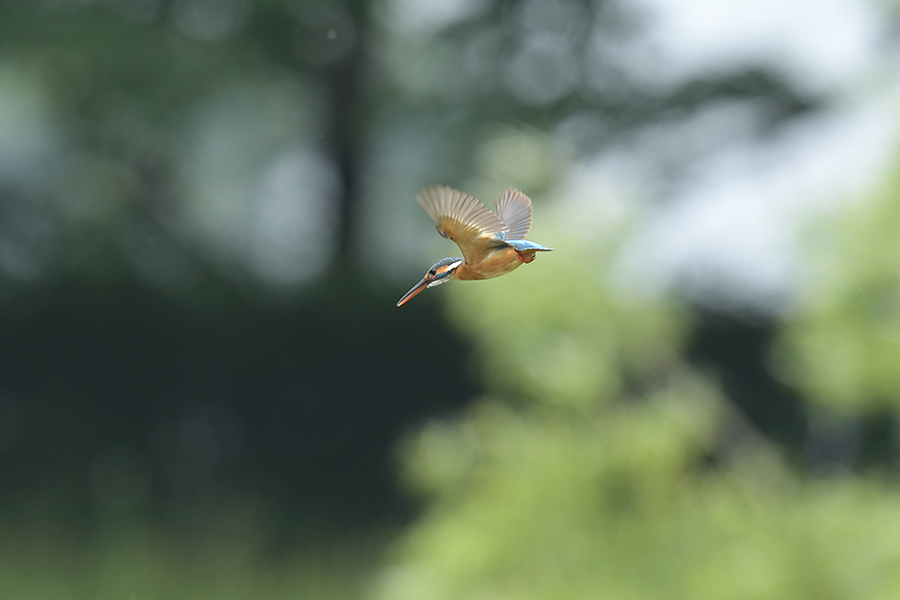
{"points": [[207, 214]]}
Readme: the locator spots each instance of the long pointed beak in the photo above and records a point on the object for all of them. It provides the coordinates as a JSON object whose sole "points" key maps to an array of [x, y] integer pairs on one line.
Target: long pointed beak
{"points": [[413, 291]]}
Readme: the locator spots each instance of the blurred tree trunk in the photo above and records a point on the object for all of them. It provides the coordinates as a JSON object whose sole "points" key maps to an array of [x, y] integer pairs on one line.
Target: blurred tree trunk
{"points": [[346, 108]]}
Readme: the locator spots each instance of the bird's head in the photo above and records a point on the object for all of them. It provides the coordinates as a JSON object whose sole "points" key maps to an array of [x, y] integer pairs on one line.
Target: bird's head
{"points": [[443, 270]]}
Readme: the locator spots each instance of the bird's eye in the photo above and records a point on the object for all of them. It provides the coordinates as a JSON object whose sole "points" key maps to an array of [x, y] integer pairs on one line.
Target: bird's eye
{"points": [[432, 272]]}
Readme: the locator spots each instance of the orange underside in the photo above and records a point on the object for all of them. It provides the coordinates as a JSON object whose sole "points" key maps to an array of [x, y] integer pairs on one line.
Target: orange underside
{"points": [[493, 263]]}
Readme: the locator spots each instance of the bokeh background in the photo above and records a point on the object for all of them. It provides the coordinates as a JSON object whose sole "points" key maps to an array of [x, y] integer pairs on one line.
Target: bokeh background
{"points": [[207, 214]]}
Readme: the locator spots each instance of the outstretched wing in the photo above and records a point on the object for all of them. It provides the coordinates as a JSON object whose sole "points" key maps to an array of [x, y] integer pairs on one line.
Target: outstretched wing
{"points": [[514, 209], [462, 218]]}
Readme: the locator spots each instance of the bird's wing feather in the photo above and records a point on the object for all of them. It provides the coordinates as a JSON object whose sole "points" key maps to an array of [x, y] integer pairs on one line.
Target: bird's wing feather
{"points": [[514, 208], [462, 218]]}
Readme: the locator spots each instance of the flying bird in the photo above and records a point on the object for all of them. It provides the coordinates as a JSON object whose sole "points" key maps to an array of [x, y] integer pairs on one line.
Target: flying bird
{"points": [[491, 244]]}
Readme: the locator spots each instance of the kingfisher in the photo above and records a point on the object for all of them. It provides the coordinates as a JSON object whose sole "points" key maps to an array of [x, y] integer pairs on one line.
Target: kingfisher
{"points": [[491, 244]]}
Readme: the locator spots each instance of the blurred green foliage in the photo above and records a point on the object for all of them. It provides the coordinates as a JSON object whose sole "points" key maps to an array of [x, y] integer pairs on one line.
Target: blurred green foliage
{"points": [[601, 466], [560, 335], [841, 344], [138, 562]]}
